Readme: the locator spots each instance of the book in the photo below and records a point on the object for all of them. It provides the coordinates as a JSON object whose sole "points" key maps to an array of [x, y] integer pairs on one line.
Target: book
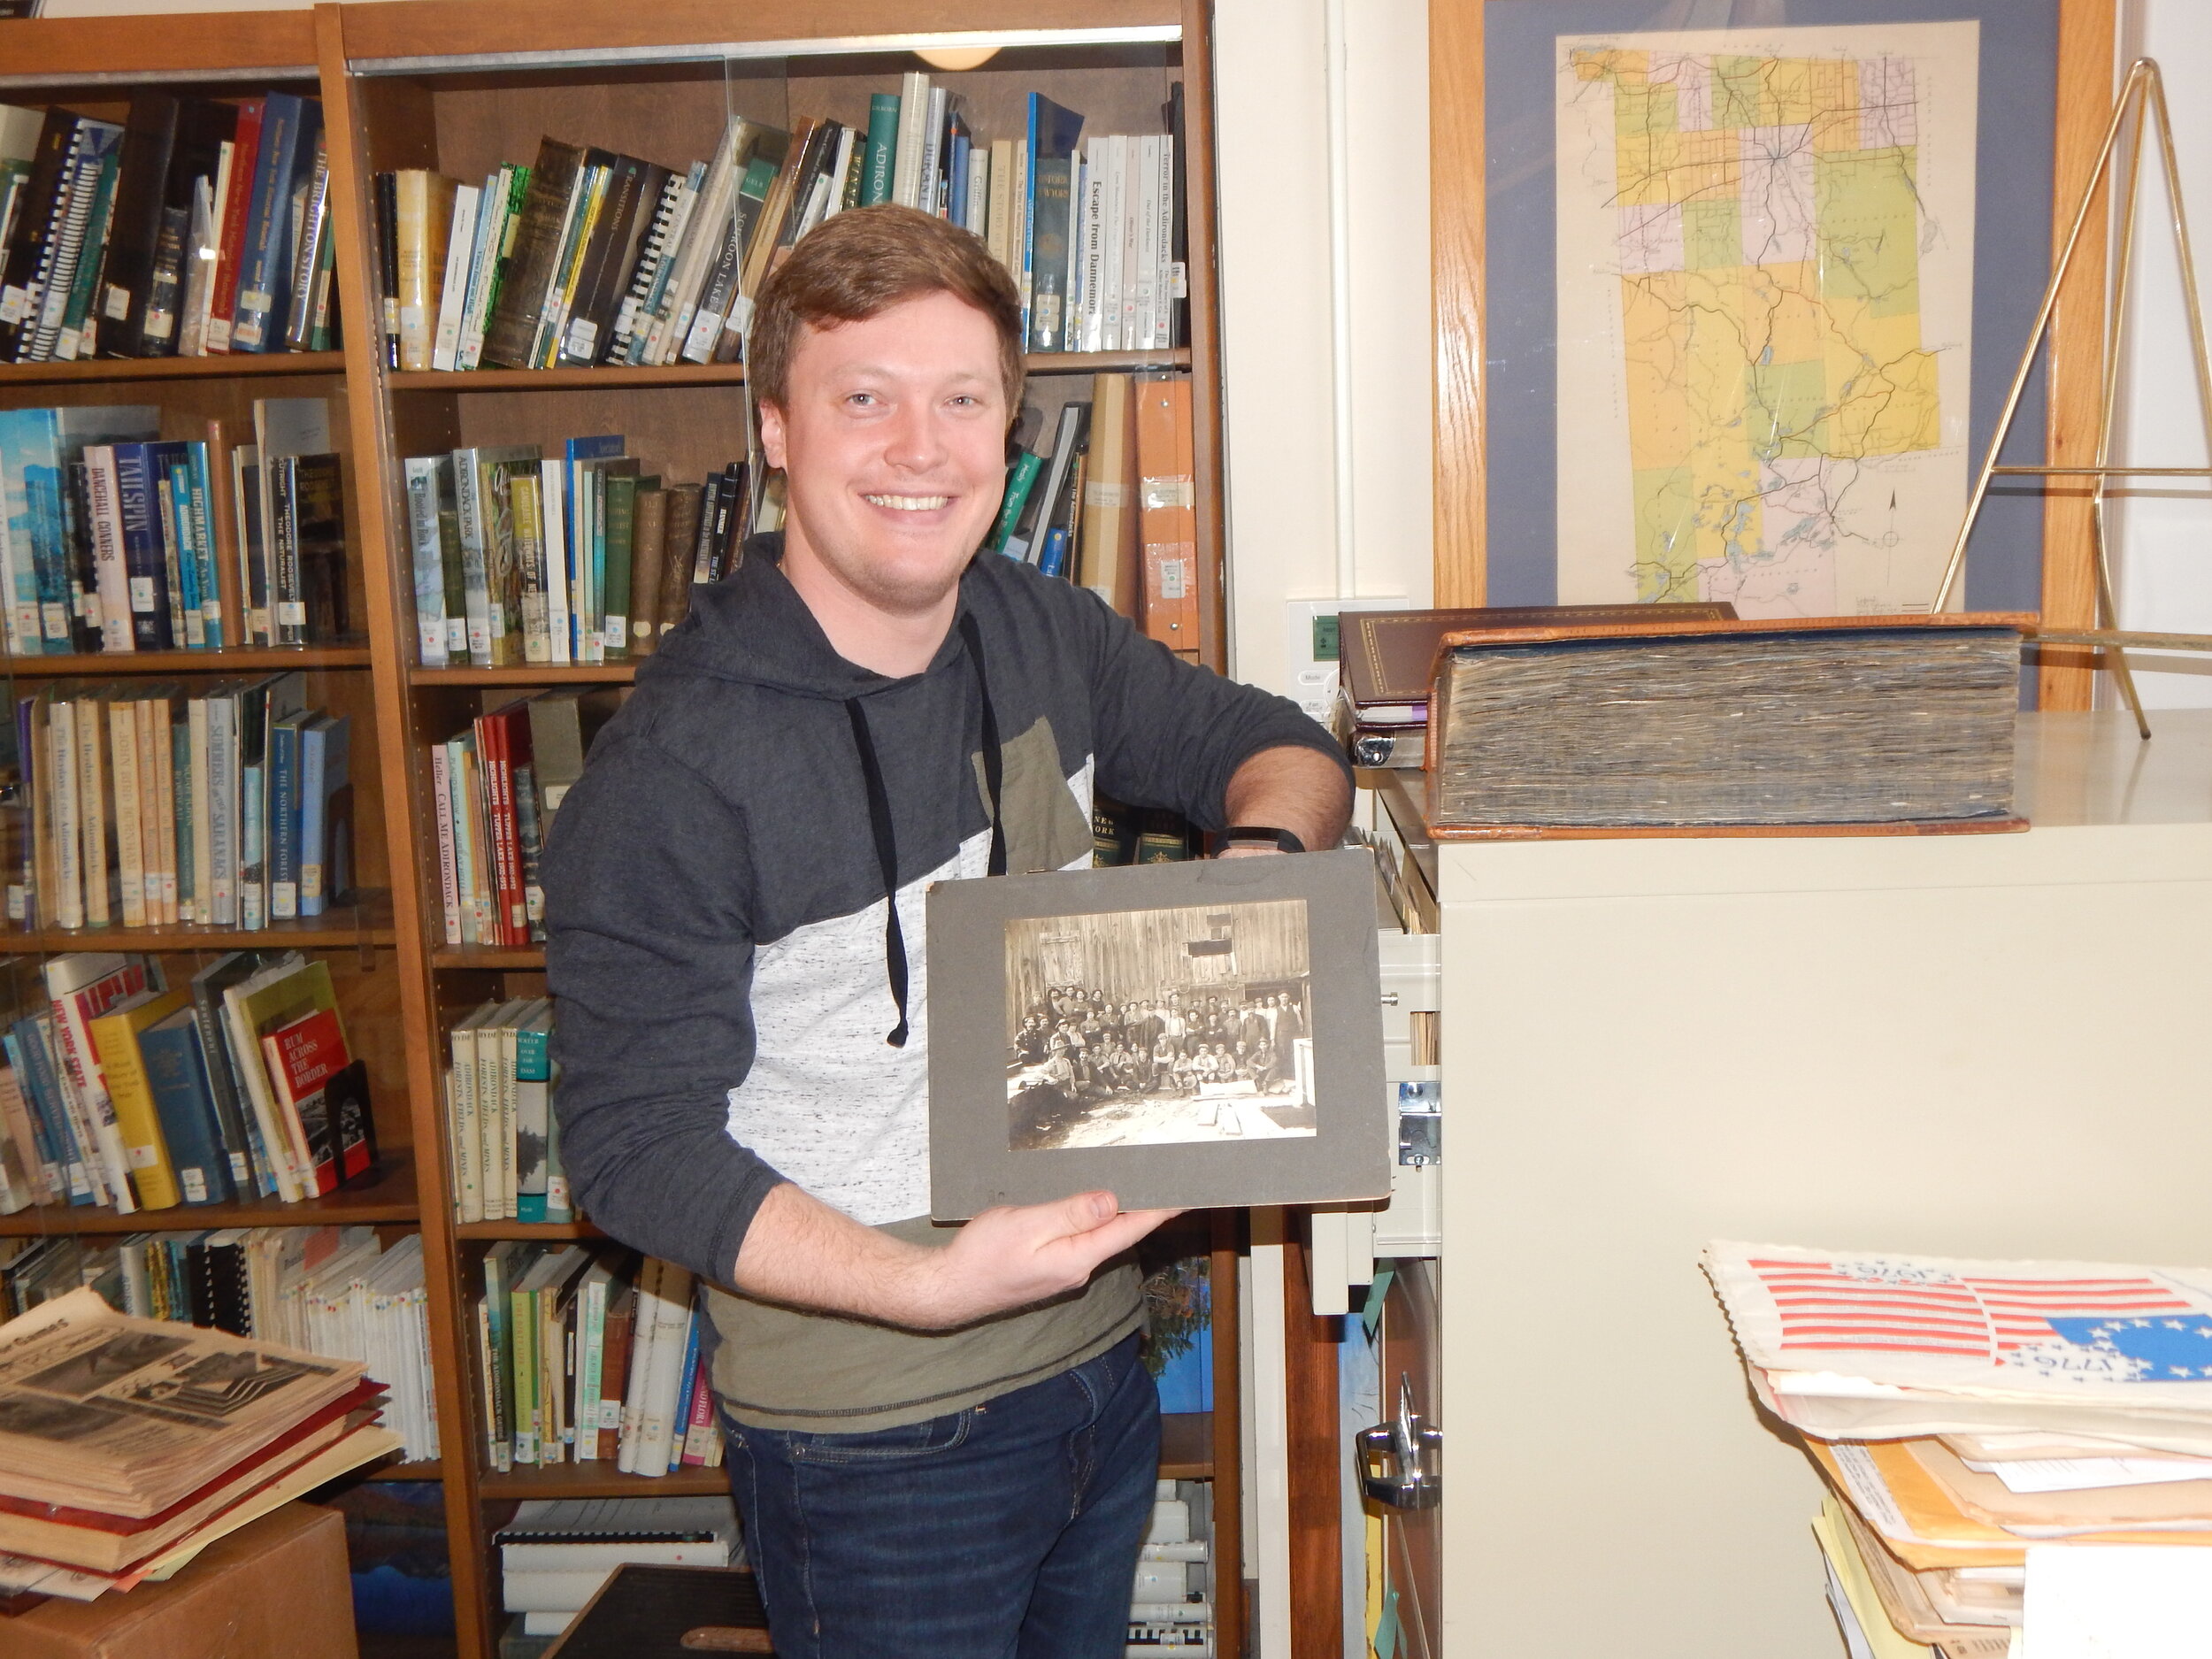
{"points": [[1167, 516], [115, 1042], [1765, 724], [177, 1073], [290, 127], [1052, 136], [1110, 552], [512, 331]]}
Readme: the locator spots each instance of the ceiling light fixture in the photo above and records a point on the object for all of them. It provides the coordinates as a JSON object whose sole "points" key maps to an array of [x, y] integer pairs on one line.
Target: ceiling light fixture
{"points": [[955, 58]]}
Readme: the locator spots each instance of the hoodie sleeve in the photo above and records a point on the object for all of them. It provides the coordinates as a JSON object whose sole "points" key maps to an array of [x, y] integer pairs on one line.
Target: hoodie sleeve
{"points": [[650, 953], [1167, 733]]}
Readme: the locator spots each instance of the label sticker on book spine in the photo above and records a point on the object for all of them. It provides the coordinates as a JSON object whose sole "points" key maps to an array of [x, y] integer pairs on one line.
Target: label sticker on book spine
{"points": [[195, 1187], [118, 303], [291, 613], [142, 593], [1172, 584], [56, 618]]}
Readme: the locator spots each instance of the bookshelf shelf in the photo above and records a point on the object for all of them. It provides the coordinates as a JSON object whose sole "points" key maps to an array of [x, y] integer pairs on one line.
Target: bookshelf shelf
{"points": [[431, 1469], [388, 1198], [255, 364], [497, 1230], [98, 665], [457, 957], [370, 922], [594, 1479], [605, 379], [528, 674]]}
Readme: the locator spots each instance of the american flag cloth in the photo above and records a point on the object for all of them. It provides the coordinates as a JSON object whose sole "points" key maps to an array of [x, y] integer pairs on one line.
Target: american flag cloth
{"points": [[1931, 1322]]}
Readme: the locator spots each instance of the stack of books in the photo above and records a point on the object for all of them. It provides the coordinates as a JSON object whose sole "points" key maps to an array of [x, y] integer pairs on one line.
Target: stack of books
{"points": [[130, 1445], [579, 557], [110, 540], [119, 1090], [1971, 1417], [496, 787], [506, 1146], [194, 228], [150, 807], [592, 1357], [1171, 1608], [332, 1291], [555, 1555], [586, 256]]}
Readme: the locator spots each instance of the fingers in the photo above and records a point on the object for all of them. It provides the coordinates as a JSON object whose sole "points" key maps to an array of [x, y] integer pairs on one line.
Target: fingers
{"points": [[1119, 1234]]}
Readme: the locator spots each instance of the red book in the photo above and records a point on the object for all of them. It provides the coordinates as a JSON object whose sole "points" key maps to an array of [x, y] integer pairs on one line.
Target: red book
{"points": [[699, 1421], [303, 1058], [503, 742], [245, 153]]}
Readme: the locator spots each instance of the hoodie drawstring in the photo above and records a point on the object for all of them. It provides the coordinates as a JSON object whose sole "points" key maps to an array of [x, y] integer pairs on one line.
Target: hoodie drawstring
{"points": [[895, 964]]}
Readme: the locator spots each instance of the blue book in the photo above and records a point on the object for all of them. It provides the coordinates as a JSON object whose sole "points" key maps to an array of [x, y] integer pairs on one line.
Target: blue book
{"points": [[205, 551], [679, 1422], [956, 184], [583, 599], [188, 893], [1053, 132], [43, 1142], [325, 815], [176, 1072], [1053, 560], [145, 572], [188, 550], [265, 268], [34, 1052], [37, 448], [284, 816]]}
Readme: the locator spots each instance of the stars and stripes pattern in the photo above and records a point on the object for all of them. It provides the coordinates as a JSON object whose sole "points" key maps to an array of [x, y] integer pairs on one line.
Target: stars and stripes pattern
{"points": [[1907, 1308]]}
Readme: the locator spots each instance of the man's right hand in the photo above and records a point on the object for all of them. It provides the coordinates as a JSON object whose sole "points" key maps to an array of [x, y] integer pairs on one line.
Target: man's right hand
{"points": [[800, 1251]]}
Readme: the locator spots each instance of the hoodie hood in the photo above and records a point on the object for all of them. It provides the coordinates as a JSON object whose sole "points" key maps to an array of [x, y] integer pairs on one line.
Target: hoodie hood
{"points": [[753, 628]]}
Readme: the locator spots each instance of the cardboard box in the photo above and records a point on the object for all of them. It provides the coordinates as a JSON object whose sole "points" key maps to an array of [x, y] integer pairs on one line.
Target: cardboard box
{"points": [[275, 1589]]}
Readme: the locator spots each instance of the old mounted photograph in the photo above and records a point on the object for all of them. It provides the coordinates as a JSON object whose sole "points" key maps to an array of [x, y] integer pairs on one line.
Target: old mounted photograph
{"points": [[1149, 1027], [1181, 1035]]}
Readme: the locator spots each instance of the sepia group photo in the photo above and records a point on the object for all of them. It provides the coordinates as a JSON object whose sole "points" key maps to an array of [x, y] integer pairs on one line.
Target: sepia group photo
{"points": [[1153, 1027]]}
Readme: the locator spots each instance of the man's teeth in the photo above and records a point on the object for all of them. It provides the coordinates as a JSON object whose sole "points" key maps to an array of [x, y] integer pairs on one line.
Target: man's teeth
{"points": [[908, 503]]}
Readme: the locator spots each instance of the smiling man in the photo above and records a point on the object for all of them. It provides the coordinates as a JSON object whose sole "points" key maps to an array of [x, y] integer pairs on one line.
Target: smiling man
{"points": [[942, 1440]]}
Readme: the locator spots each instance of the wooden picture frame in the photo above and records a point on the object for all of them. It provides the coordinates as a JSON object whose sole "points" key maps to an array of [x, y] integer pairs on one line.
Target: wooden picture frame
{"points": [[2074, 366]]}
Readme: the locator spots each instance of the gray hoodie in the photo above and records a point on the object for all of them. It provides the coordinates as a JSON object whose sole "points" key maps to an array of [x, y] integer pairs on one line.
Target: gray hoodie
{"points": [[739, 1006]]}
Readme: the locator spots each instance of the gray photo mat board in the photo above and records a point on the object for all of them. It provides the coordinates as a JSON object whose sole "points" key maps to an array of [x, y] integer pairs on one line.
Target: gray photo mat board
{"points": [[972, 1165]]}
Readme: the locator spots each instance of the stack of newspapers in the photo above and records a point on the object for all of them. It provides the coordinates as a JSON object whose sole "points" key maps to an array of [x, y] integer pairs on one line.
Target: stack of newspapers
{"points": [[127, 1446], [1979, 1426]]}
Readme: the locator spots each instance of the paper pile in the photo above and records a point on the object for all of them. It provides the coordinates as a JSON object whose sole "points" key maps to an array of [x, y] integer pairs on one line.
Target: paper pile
{"points": [[1963, 1412], [127, 1446]]}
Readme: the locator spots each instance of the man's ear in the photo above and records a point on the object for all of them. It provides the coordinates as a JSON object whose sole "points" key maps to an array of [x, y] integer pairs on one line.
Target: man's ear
{"points": [[771, 435]]}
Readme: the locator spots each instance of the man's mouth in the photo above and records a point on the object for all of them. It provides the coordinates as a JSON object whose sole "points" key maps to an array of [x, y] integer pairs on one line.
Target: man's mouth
{"points": [[908, 503]]}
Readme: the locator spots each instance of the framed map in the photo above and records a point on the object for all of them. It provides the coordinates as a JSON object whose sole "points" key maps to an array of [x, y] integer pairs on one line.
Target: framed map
{"points": [[1753, 296]]}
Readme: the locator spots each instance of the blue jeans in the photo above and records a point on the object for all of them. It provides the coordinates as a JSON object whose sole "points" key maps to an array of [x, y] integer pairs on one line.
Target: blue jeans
{"points": [[1008, 1531]]}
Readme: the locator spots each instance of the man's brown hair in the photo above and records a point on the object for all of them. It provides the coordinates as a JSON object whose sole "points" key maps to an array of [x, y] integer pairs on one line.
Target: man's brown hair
{"points": [[861, 264]]}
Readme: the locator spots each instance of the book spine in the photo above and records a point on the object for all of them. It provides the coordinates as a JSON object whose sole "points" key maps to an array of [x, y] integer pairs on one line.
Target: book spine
{"points": [[146, 1153], [73, 1013], [699, 1420], [202, 807], [185, 1105], [262, 262], [206, 551], [271, 1144], [174, 518], [287, 595], [461, 244], [237, 207], [448, 881], [222, 810], [468, 489], [103, 487], [129, 848], [422, 527], [591, 1342], [284, 818], [222, 1081]]}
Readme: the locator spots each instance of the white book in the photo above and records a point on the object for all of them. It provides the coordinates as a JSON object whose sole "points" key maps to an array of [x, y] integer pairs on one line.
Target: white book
{"points": [[495, 1108], [202, 249], [1148, 240], [978, 201], [580, 1534], [927, 192], [1074, 288], [92, 1112], [61, 770], [846, 139], [1112, 172], [707, 225], [494, 217], [591, 1355], [547, 1623], [92, 742], [1089, 313], [644, 1331], [1166, 273], [663, 1407], [998, 214], [460, 250], [245, 1051], [448, 880], [202, 808], [553, 526], [223, 760], [112, 575], [906, 172], [130, 859], [468, 1129]]}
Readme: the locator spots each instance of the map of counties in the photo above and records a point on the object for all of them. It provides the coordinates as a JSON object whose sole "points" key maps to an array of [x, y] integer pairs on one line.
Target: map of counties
{"points": [[1766, 273]]}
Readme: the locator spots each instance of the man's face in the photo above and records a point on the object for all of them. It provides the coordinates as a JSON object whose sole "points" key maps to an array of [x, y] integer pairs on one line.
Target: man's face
{"points": [[893, 440]]}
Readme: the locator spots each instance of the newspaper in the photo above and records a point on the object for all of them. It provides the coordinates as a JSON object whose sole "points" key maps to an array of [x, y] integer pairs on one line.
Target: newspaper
{"points": [[101, 1411]]}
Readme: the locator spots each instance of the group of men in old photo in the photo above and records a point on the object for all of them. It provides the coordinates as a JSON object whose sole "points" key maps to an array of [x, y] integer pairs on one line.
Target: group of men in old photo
{"points": [[1168, 1042]]}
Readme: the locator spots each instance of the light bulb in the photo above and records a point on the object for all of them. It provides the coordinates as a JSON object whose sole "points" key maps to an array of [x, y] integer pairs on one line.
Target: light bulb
{"points": [[955, 57]]}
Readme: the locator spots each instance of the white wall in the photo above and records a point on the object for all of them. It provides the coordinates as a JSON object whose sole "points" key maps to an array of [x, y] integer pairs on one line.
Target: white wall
{"points": [[2164, 534], [1291, 463]]}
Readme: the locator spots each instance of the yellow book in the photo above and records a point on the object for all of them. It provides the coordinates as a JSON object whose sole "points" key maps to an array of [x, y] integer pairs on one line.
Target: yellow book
{"points": [[115, 1041]]}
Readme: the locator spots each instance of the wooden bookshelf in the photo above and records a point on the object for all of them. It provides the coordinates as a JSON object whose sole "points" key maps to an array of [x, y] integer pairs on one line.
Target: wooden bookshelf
{"points": [[109, 370], [251, 660], [385, 1195], [462, 85]]}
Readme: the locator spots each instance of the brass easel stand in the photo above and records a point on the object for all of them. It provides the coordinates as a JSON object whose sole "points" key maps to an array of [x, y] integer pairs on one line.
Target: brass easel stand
{"points": [[2143, 95]]}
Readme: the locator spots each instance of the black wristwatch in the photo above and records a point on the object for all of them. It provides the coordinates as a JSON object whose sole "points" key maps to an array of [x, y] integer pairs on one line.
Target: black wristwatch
{"points": [[1281, 840]]}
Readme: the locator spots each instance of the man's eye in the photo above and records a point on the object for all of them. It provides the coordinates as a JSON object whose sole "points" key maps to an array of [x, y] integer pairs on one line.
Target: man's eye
{"points": [[865, 400]]}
